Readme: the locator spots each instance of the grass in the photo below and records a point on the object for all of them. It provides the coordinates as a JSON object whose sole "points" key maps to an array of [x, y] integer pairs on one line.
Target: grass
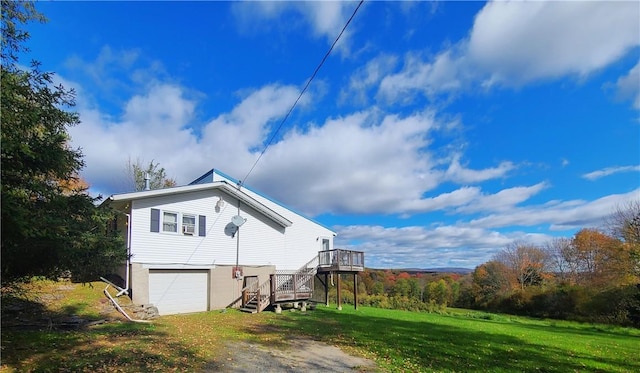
{"points": [[464, 341], [398, 341]]}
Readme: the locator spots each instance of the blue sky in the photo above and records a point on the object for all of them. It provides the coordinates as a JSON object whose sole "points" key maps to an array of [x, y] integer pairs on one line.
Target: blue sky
{"points": [[435, 134]]}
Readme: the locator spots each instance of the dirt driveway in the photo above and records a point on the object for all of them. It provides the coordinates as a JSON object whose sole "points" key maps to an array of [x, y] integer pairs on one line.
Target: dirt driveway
{"points": [[301, 355]]}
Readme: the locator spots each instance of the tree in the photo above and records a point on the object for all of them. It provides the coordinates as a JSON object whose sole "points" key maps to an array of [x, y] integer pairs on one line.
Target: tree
{"points": [[526, 263], [438, 293], [562, 259], [602, 259], [489, 282], [137, 172], [624, 224], [47, 228]]}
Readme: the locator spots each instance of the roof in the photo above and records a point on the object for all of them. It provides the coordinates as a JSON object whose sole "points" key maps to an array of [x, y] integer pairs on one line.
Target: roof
{"points": [[210, 177], [220, 185]]}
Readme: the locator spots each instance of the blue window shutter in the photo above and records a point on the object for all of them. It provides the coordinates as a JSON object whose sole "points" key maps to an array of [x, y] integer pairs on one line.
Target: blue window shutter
{"points": [[155, 220], [202, 225]]}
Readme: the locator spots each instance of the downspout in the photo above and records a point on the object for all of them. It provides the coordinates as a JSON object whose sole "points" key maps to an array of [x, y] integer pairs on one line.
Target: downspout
{"points": [[115, 303], [128, 266]]}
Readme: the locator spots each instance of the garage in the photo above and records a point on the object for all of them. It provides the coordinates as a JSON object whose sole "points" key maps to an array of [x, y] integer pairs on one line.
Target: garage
{"points": [[179, 291]]}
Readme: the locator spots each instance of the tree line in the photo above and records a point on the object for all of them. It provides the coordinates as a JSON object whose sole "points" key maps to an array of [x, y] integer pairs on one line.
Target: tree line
{"points": [[592, 276]]}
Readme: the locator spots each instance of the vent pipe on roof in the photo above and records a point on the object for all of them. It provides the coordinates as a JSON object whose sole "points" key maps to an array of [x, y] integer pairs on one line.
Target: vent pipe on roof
{"points": [[146, 181]]}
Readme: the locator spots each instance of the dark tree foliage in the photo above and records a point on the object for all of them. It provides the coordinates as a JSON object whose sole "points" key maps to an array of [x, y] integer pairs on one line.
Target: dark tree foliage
{"points": [[45, 230]]}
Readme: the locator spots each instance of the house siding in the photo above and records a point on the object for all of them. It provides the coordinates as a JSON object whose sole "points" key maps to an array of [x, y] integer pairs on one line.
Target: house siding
{"points": [[261, 241]]}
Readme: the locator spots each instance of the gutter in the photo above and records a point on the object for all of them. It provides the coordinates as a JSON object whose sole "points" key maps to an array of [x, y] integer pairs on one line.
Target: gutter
{"points": [[128, 264]]}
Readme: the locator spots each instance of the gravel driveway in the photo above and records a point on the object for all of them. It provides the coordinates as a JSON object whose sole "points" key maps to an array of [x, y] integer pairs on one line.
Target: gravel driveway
{"points": [[301, 355]]}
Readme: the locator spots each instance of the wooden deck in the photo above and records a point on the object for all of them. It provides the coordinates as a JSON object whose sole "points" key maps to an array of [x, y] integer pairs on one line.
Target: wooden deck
{"points": [[297, 286], [340, 261]]}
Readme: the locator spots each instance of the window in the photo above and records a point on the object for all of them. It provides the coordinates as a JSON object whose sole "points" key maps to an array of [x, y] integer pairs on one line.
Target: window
{"points": [[175, 222], [325, 244], [188, 224], [170, 222]]}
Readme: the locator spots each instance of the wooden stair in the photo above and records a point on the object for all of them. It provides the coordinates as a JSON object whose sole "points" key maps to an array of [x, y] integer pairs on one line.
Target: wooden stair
{"points": [[250, 307]]}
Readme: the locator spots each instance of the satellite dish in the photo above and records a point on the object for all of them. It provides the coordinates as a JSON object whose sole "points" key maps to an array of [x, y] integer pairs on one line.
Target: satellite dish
{"points": [[238, 220]]}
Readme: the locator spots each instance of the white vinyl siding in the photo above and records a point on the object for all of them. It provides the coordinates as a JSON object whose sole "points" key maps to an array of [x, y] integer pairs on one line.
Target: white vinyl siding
{"points": [[261, 241], [174, 291]]}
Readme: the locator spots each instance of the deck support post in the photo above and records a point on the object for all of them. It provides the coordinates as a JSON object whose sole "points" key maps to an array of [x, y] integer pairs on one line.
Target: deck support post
{"points": [[338, 291], [355, 290], [326, 289], [278, 309]]}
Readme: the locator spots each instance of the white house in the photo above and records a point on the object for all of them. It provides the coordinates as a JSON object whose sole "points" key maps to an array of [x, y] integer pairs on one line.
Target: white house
{"points": [[194, 247]]}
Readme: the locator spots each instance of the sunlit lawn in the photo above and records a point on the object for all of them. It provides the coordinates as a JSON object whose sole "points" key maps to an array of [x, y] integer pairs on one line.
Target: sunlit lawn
{"points": [[461, 341], [466, 341]]}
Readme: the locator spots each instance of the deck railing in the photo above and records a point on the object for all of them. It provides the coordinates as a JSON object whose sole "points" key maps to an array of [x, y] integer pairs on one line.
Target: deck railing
{"points": [[291, 286], [340, 260]]}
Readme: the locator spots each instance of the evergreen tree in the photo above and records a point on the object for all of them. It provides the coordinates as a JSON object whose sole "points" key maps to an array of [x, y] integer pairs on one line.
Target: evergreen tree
{"points": [[47, 230]]}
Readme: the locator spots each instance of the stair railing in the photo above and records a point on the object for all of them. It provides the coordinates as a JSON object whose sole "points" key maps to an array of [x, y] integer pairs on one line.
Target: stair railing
{"points": [[259, 294]]}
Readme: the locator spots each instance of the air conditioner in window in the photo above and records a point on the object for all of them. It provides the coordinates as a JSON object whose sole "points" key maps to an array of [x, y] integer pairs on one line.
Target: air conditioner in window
{"points": [[189, 229]]}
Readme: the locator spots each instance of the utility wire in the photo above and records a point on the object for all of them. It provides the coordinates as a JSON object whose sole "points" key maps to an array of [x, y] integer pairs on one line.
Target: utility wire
{"points": [[273, 136]]}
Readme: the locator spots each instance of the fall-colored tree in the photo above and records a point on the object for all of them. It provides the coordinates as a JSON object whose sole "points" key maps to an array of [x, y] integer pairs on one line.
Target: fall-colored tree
{"points": [[438, 292], [74, 184], [602, 259], [404, 275], [526, 263], [489, 282]]}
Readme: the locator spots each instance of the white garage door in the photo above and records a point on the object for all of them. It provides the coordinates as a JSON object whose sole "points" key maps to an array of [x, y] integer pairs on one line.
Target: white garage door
{"points": [[175, 291]]}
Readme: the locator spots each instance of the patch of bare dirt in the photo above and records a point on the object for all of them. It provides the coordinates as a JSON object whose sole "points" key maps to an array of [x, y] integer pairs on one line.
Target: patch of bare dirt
{"points": [[300, 355]]}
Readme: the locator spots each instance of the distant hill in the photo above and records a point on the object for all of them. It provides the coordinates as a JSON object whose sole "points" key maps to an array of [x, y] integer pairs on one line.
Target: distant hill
{"points": [[462, 271], [458, 270]]}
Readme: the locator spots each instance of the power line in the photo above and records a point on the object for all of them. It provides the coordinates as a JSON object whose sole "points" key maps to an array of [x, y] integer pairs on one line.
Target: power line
{"points": [[273, 136]]}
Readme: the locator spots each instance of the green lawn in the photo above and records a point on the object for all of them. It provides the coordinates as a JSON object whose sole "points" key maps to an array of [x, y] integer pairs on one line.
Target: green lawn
{"points": [[398, 341], [464, 341]]}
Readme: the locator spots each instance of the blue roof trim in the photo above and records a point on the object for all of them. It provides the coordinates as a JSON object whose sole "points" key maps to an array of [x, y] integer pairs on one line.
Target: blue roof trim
{"points": [[235, 181], [202, 179]]}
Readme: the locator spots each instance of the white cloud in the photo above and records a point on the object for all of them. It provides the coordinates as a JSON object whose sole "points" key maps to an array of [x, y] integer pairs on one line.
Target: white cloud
{"points": [[628, 86], [467, 244], [326, 18], [519, 42], [457, 173], [558, 215], [364, 162], [371, 162], [503, 200], [594, 175], [516, 43], [366, 78], [445, 73], [157, 125], [151, 127], [414, 246]]}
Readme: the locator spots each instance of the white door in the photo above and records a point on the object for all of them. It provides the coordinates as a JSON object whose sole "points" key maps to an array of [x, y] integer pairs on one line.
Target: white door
{"points": [[178, 291]]}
